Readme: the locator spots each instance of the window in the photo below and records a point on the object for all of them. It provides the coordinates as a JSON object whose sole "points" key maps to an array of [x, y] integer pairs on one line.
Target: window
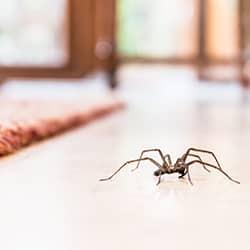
{"points": [[158, 29], [45, 38], [29, 39], [222, 29]]}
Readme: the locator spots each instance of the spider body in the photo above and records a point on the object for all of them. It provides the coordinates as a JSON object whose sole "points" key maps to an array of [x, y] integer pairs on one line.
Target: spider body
{"points": [[181, 166], [178, 167]]}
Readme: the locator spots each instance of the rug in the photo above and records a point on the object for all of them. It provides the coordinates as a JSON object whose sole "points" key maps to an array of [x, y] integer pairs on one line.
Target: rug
{"points": [[25, 122]]}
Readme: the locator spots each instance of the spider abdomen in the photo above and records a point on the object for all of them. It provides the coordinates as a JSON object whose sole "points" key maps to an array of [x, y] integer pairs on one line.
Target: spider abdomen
{"points": [[159, 172], [164, 171]]}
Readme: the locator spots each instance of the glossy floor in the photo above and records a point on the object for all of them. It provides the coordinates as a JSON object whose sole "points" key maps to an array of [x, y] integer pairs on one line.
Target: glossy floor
{"points": [[50, 194]]}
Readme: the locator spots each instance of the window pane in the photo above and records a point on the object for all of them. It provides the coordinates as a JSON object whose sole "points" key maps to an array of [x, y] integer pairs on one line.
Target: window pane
{"points": [[159, 28], [32, 33], [222, 29]]}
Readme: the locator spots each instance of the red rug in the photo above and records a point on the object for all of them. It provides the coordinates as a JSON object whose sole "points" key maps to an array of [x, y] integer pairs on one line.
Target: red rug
{"points": [[25, 122]]}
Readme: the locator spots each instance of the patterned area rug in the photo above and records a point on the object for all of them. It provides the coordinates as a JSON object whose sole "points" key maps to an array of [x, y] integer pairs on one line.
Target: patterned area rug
{"points": [[25, 122]]}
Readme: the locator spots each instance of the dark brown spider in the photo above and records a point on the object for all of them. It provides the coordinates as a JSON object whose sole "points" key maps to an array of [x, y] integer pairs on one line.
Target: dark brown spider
{"points": [[181, 166]]}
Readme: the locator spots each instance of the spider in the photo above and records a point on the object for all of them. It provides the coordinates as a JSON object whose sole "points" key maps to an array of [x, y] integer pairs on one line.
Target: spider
{"points": [[181, 166]]}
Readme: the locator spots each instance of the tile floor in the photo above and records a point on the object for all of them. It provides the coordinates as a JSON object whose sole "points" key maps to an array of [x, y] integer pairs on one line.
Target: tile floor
{"points": [[51, 198]]}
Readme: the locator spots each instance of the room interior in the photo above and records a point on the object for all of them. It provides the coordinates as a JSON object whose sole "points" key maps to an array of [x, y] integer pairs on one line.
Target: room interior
{"points": [[87, 85]]}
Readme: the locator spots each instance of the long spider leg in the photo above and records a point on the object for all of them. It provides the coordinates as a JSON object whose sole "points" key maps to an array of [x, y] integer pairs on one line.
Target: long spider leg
{"points": [[189, 177], [212, 166], [197, 156], [159, 181], [128, 162], [169, 159], [202, 151], [150, 150]]}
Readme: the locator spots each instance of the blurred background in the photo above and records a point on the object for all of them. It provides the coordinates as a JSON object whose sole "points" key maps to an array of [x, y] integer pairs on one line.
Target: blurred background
{"points": [[72, 38]]}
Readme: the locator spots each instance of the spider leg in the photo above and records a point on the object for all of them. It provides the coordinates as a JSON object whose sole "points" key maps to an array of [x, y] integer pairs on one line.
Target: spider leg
{"points": [[201, 151], [169, 159], [212, 166], [189, 177], [197, 156], [129, 162], [150, 150], [159, 180]]}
